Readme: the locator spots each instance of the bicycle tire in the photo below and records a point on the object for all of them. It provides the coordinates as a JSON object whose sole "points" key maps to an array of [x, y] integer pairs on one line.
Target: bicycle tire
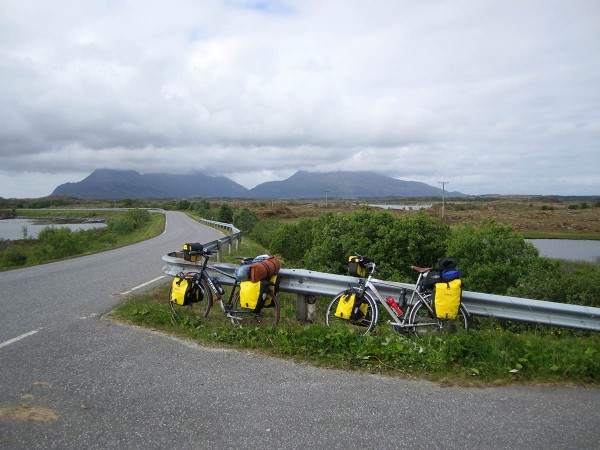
{"points": [[194, 310], [268, 315], [425, 323], [363, 325]]}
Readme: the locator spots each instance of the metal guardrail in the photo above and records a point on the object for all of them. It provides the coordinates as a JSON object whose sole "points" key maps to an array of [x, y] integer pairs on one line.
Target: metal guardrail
{"points": [[230, 227], [234, 238], [307, 282]]}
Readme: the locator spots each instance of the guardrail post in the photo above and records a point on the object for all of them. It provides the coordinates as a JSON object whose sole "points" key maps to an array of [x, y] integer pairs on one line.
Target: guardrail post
{"points": [[306, 307], [219, 252]]}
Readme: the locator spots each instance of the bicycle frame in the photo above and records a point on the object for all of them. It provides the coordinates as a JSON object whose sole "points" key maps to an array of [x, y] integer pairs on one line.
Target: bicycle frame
{"points": [[213, 283], [417, 295]]}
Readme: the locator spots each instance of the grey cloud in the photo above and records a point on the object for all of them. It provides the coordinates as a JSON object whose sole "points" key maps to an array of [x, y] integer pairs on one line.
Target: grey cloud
{"points": [[493, 95]]}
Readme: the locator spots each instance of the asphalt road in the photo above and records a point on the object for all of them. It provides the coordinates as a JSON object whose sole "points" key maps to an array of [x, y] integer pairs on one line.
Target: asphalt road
{"points": [[71, 379]]}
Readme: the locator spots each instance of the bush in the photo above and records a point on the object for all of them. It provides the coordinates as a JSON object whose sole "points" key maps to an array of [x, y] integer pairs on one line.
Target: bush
{"points": [[325, 243], [265, 233], [120, 225], [581, 284], [13, 256], [291, 240], [200, 207], [543, 280], [225, 213], [128, 222], [492, 258], [58, 243], [183, 205], [244, 220]]}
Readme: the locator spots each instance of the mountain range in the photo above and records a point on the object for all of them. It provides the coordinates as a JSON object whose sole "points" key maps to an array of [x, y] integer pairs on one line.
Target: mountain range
{"points": [[112, 184]]}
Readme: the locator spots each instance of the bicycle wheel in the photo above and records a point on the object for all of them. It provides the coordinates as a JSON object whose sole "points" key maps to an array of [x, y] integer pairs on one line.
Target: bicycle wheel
{"points": [[267, 315], [363, 324], [426, 323], [196, 309]]}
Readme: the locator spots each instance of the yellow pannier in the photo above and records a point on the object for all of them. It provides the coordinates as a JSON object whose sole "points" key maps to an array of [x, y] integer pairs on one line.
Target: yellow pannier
{"points": [[184, 291], [355, 268], [447, 299], [257, 295], [345, 307]]}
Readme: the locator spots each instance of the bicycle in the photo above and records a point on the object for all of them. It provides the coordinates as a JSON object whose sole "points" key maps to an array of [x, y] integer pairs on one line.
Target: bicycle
{"points": [[231, 307], [418, 318]]}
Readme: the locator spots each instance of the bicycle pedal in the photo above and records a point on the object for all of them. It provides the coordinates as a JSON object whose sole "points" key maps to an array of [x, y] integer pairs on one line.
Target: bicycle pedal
{"points": [[231, 316]]}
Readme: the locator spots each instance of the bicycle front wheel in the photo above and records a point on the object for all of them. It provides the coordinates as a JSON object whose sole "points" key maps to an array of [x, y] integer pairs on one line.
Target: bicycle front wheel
{"points": [[364, 322], [270, 314], [425, 322], [194, 310]]}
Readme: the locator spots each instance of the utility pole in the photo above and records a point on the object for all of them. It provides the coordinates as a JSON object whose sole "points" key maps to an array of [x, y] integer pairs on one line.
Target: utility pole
{"points": [[326, 197], [443, 183]]}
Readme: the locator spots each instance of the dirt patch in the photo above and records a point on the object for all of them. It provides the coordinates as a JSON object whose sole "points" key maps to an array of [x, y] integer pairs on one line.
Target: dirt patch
{"points": [[26, 413]]}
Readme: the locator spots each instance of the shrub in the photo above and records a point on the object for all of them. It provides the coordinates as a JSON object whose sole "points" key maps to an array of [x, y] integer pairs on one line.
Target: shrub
{"points": [[244, 220], [201, 206], [128, 222], [292, 240], [225, 213], [60, 242], [120, 225], [491, 257], [13, 256], [265, 233], [183, 205], [543, 280], [326, 242]]}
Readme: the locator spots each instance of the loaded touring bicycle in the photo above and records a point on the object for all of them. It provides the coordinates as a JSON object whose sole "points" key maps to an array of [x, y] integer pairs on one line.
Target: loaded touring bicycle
{"points": [[433, 307]]}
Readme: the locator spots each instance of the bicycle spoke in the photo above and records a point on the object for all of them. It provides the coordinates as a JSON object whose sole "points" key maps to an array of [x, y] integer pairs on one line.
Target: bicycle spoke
{"points": [[196, 310], [268, 315], [425, 323], [362, 325]]}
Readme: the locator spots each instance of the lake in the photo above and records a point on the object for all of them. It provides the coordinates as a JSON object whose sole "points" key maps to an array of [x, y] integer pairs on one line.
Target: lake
{"points": [[13, 228], [405, 207], [571, 249]]}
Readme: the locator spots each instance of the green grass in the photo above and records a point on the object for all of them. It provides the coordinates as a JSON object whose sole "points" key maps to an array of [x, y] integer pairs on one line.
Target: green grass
{"points": [[487, 356]]}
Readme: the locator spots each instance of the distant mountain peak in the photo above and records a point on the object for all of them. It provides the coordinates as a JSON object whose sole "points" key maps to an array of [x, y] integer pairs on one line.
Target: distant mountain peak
{"points": [[118, 184]]}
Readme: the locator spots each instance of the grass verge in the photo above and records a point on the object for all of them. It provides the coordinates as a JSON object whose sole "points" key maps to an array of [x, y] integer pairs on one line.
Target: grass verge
{"points": [[481, 357]]}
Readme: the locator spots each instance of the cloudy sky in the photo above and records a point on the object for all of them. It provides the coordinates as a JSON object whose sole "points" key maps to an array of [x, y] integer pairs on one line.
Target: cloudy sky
{"points": [[491, 96]]}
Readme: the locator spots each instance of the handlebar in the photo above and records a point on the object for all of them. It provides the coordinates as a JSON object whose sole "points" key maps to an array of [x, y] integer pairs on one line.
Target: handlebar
{"points": [[368, 262], [364, 260]]}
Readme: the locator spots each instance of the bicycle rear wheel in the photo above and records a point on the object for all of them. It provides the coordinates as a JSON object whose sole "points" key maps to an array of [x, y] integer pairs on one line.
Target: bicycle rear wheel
{"points": [[267, 315], [194, 310], [363, 324], [425, 322]]}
